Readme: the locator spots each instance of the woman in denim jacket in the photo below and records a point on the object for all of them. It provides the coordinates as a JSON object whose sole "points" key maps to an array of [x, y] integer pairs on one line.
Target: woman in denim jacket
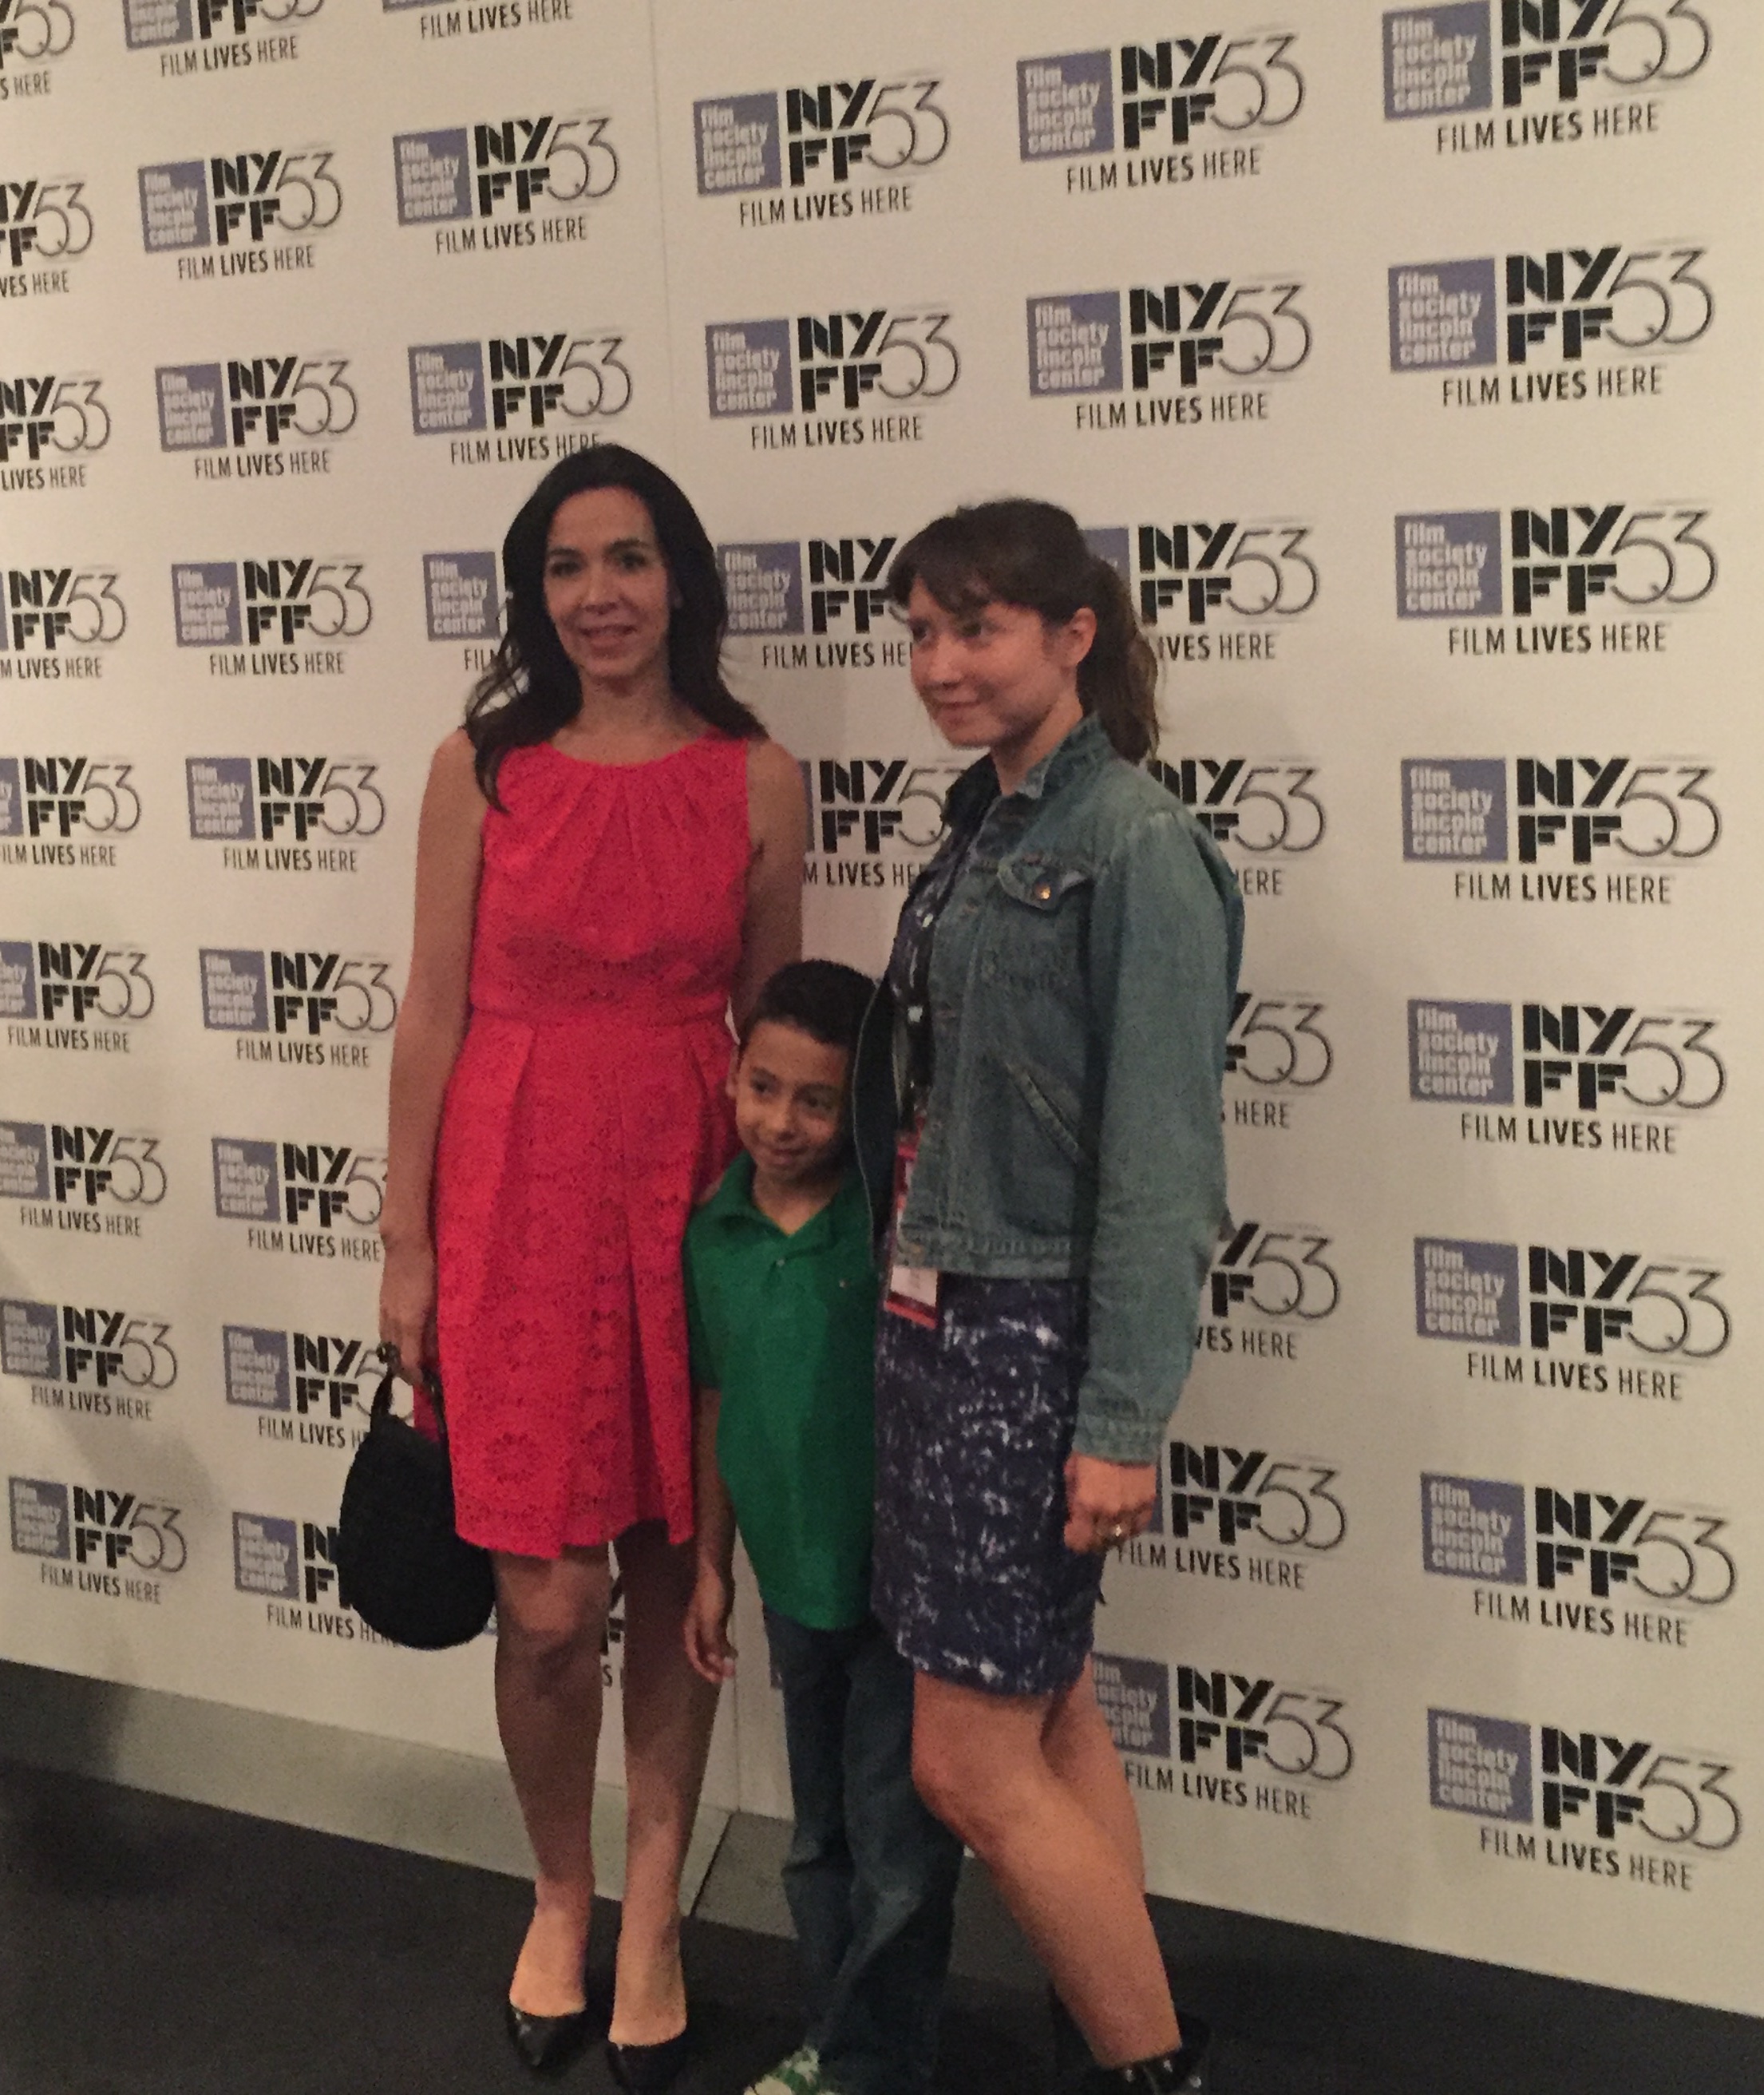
{"points": [[1038, 1083]]}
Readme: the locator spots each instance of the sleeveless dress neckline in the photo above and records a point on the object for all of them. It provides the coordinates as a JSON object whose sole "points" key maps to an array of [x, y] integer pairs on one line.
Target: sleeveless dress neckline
{"points": [[648, 762], [585, 1117]]}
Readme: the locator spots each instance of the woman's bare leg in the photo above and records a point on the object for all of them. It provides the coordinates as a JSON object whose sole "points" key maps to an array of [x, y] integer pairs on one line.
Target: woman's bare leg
{"points": [[551, 1617], [668, 1712], [1054, 1847]]}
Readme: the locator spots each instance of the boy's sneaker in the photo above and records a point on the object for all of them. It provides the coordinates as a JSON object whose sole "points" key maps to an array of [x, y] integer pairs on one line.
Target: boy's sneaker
{"points": [[800, 2074]]}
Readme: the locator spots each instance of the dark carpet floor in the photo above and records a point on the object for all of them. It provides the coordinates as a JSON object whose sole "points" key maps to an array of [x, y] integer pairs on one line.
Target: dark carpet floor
{"points": [[152, 1948]]}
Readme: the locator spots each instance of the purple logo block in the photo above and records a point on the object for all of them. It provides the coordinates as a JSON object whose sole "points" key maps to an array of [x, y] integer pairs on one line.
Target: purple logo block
{"points": [[256, 1365], [235, 990], [11, 789], [18, 979], [1459, 1054], [461, 593], [1436, 60], [40, 1524], [747, 363], [24, 1161], [446, 388], [1449, 565], [247, 1184], [30, 1341], [1065, 106], [205, 602], [265, 1555], [1467, 1291], [1442, 315], [1454, 808], [1113, 542], [222, 807], [174, 206], [1074, 343], [434, 173], [1134, 1695], [737, 138], [1472, 1528], [1480, 1764], [193, 408], [149, 24], [763, 584]]}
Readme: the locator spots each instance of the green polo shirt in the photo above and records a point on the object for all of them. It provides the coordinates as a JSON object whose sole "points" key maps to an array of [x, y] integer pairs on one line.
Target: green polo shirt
{"points": [[784, 1328]]}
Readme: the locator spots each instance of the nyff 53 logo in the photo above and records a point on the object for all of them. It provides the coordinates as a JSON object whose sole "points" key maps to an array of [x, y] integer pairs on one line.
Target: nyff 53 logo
{"points": [[55, 798], [46, 414], [1557, 810], [74, 979], [254, 402], [832, 135], [236, 200], [79, 1165], [46, 608], [1169, 89], [1267, 808], [1276, 1043], [1226, 1730], [32, 32], [1199, 572], [815, 587], [1607, 1544], [863, 806], [269, 603], [303, 993], [284, 1560], [305, 1373], [151, 24], [511, 169], [315, 1183], [43, 222], [1568, 559], [84, 1347], [836, 360], [1552, 54], [1577, 1055], [109, 1531], [296, 799], [1593, 1784], [524, 381], [1558, 307], [1277, 1270], [1231, 1495], [1179, 336]]}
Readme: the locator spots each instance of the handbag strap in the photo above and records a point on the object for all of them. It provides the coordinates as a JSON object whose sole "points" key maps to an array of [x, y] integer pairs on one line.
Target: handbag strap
{"points": [[382, 1403]]}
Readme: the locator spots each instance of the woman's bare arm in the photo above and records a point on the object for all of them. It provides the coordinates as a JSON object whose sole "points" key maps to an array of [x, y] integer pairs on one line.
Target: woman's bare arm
{"points": [[771, 935], [432, 1026]]}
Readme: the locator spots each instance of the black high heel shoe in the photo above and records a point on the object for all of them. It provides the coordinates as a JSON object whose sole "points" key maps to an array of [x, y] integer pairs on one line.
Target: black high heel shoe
{"points": [[546, 2044], [1182, 2072], [644, 2069]]}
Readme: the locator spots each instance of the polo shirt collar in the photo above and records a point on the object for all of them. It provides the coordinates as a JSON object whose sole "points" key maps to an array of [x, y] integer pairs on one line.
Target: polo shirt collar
{"points": [[732, 1202]]}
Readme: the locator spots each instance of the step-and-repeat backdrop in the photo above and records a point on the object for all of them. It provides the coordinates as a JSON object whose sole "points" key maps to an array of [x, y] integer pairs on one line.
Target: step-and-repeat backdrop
{"points": [[1405, 359]]}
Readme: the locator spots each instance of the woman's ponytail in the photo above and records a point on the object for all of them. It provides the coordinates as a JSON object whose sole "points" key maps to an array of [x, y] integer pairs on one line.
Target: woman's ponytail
{"points": [[1118, 679], [1033, 554]]}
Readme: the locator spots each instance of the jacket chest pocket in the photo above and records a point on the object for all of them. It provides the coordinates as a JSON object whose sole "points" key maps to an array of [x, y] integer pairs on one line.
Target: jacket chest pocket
{"points": [[1040, 922]]}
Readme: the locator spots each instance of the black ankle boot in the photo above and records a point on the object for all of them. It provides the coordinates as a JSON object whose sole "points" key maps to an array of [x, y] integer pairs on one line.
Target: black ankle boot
{"points": [[1172, 2073]]}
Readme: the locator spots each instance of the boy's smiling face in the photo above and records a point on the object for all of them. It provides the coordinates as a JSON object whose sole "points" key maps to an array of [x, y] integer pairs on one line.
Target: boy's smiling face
{"points": [[789, 1094]]}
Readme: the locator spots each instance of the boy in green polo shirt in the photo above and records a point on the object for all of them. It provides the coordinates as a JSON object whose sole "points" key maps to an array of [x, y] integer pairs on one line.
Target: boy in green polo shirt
{"points": [[781, 1303]]}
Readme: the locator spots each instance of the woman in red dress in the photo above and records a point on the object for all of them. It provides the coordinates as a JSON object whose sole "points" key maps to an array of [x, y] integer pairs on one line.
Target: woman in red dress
{"points": [[610, 856]]}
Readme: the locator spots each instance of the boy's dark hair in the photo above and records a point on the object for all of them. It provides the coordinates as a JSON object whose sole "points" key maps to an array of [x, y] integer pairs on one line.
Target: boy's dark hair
{"points": [[824, 998]]}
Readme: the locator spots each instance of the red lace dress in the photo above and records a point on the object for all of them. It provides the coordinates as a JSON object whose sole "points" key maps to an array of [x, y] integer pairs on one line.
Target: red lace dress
{"points": [[585, 1115]]}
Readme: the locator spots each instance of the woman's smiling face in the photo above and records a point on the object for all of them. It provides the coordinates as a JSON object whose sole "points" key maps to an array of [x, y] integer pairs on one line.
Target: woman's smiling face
{"points": [[607, 587], [992, 676]]}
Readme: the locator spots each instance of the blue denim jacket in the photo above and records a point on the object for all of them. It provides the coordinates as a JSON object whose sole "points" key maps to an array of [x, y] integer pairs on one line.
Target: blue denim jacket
{"points": [[1081, 989]]}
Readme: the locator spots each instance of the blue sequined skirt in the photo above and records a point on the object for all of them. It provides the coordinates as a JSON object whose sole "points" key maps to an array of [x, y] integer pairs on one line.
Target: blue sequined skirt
{"points": [[972, 1579]]}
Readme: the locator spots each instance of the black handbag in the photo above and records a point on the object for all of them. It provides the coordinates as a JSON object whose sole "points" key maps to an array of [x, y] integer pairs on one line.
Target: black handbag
{"points": [[400, 1565]]}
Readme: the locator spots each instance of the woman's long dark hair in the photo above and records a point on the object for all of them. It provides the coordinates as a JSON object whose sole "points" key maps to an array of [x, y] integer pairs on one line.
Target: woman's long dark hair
{"points": [[1033, 554], [531, 689]]}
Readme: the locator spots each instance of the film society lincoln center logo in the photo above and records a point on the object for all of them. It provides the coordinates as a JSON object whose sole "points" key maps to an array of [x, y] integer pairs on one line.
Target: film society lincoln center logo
{"points": [[1244, 1740], [1584, 1059], [1558, 71], [240, 214], [216, 36], [1611, 1803], [841, 149], [519, 181], [81, 1175], [1159, 110], [851, 375], [88, 1361], [1590, 1317], [95, 1540], [307, 1199]]}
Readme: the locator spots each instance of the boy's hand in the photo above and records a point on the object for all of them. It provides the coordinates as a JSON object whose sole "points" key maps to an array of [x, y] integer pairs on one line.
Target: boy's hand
{"points": [[708, 1649]]}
